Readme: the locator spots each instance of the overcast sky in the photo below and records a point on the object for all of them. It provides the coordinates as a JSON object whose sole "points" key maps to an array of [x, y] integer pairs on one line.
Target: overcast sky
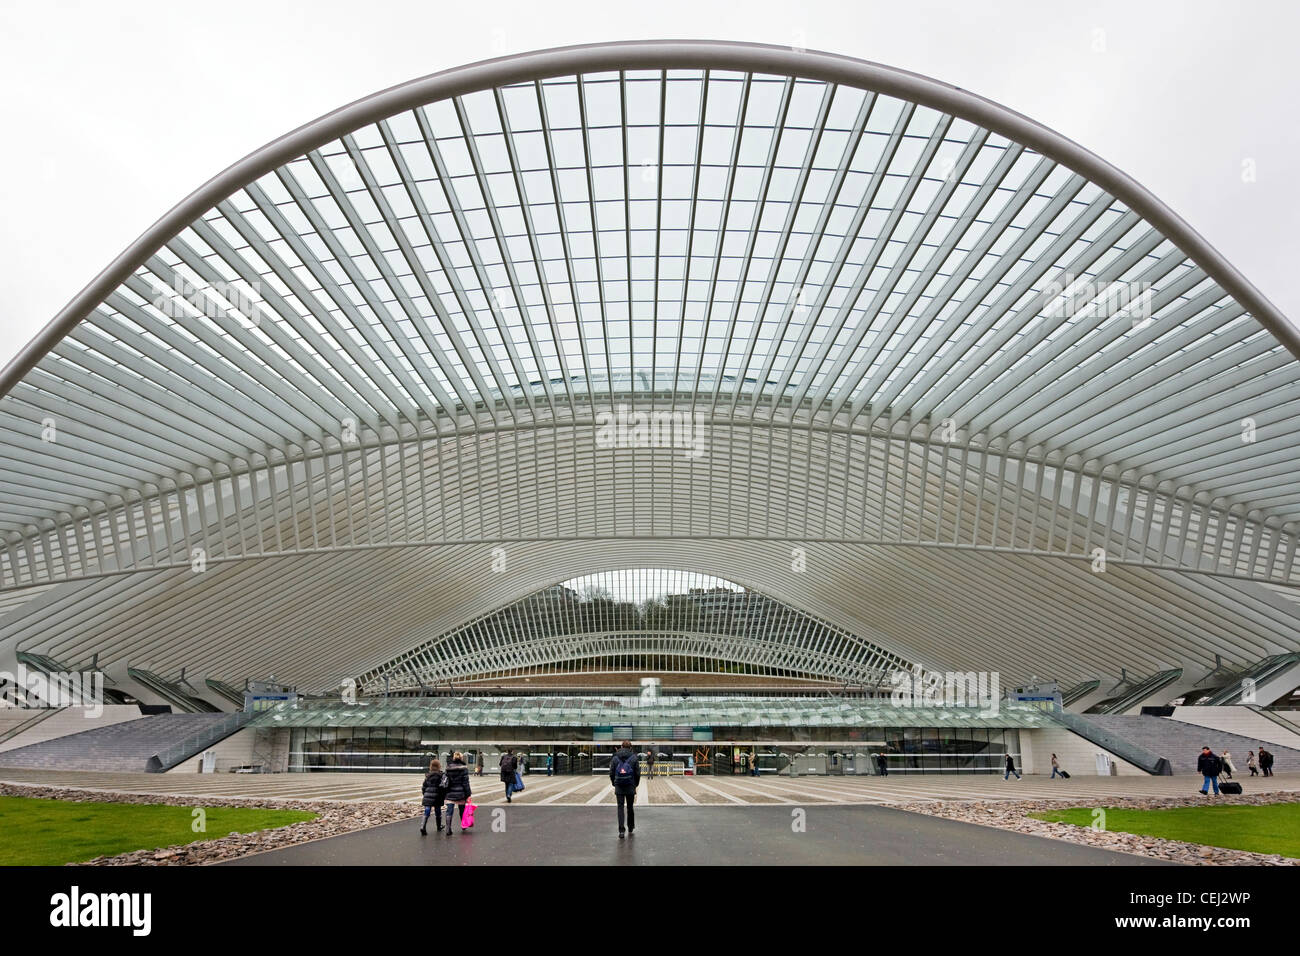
{"points": [[114, 112]]}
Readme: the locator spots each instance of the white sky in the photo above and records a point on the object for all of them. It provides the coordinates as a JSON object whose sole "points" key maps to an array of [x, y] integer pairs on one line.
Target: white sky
{"points": [[113, 113]]}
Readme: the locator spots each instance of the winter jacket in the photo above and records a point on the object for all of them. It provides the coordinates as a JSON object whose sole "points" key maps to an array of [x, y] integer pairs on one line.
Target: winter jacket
{"points": [[623, 785], [434, 789], [1266, 759], [1209, 765], [508, 768], [457, 777], [1011, 764]]}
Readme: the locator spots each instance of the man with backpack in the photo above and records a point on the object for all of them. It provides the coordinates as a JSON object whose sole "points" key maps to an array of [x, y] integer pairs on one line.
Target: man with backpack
{"points": [[1209, 766], [625, 775], [508, 765]]}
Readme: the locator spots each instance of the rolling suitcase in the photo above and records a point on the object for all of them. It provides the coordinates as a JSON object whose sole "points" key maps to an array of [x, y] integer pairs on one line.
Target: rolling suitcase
{"points": [[1230, 787], [1065, 774]]}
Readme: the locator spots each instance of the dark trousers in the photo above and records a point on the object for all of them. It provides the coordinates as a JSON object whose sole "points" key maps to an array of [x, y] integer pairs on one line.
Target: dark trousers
{"points": [[628, 799], [437, 810]]}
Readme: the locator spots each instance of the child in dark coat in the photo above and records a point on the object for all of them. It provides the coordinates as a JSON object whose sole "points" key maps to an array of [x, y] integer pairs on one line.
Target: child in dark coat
{"points": [[435, 792]]}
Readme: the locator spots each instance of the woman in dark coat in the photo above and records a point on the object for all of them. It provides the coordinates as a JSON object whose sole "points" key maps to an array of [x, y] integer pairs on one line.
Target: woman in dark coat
{"points": [[434, 790], [458, 790], [508, 765]]}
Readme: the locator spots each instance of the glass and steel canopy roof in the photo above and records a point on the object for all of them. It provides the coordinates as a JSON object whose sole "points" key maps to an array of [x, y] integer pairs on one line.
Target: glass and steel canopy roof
{"points": [[561, 712], [901, 314]]}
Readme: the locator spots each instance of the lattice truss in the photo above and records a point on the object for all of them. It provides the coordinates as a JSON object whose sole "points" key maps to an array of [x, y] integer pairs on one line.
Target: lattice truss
{"points": [[640, 621], [884, 323]]}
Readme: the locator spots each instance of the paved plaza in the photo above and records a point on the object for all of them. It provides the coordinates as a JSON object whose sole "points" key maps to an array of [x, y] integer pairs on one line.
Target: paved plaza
{"points": [[734, 791], [695, 835]]}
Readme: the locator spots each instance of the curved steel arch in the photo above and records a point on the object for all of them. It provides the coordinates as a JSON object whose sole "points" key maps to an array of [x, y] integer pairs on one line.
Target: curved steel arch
{"points": [[668, 54], [1008, 487]]}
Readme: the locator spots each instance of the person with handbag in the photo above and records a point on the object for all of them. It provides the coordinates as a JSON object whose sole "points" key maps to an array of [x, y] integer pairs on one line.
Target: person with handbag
{"points": [[1250, 763], [508, 766], [433, 792], [625, 775], [458, 790]]}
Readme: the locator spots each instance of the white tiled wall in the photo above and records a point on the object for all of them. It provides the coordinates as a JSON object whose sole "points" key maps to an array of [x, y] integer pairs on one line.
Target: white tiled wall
{"points": [[1075, 754]]}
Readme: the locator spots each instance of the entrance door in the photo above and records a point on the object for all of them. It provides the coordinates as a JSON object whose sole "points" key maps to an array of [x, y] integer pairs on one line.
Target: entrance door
{"points": [[722, 760], [563, 760], [705, 754]]}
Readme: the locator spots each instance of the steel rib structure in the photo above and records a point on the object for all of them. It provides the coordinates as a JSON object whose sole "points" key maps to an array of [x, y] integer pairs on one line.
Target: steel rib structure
{"points": [[951, 384]]}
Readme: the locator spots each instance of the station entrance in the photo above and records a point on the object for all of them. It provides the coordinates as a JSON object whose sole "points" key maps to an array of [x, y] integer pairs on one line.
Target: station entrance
{"points": [[695, 758]]}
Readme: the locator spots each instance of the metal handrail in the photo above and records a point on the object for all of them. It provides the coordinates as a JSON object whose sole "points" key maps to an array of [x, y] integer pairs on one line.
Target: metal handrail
{"points": [[1141, 690], [1283, 722]]}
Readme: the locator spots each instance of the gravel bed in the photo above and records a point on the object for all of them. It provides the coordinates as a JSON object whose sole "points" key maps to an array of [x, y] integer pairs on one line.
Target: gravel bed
{"points": [[1014, 815]]}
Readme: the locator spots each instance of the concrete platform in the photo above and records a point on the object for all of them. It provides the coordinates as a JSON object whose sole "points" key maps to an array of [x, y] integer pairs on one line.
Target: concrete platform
{"points": [[695, 836]]}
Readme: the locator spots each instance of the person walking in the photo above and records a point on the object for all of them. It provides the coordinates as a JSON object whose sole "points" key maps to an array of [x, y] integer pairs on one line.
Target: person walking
{"points": [[1266, 762], [478, 764], [550, 764], [1226, 760], [1209, 767], [650, 759], [625, 775], [1056, 769], [434, 792], [458, 790], [1250, 763], [882, 765], [508, 765], [1011, 768], [753, 764]]}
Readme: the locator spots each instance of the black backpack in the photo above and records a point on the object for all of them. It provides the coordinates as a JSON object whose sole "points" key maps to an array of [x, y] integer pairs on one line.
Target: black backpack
{"points": [[623, 768]]}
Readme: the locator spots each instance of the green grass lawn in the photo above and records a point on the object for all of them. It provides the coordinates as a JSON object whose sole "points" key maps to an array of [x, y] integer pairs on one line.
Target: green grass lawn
{"points": [[1273, 828], [36, 832]]}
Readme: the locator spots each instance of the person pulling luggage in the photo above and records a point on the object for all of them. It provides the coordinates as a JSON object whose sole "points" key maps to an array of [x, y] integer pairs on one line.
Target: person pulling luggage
{"points": [[1209, 766]]}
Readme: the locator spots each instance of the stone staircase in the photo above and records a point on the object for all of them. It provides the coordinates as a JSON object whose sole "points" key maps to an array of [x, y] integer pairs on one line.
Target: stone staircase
{"points": [[1180, 743], [126, 746]]}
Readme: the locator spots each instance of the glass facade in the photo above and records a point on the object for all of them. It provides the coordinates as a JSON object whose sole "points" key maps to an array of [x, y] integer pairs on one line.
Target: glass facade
{"points": [[819, 751]]}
